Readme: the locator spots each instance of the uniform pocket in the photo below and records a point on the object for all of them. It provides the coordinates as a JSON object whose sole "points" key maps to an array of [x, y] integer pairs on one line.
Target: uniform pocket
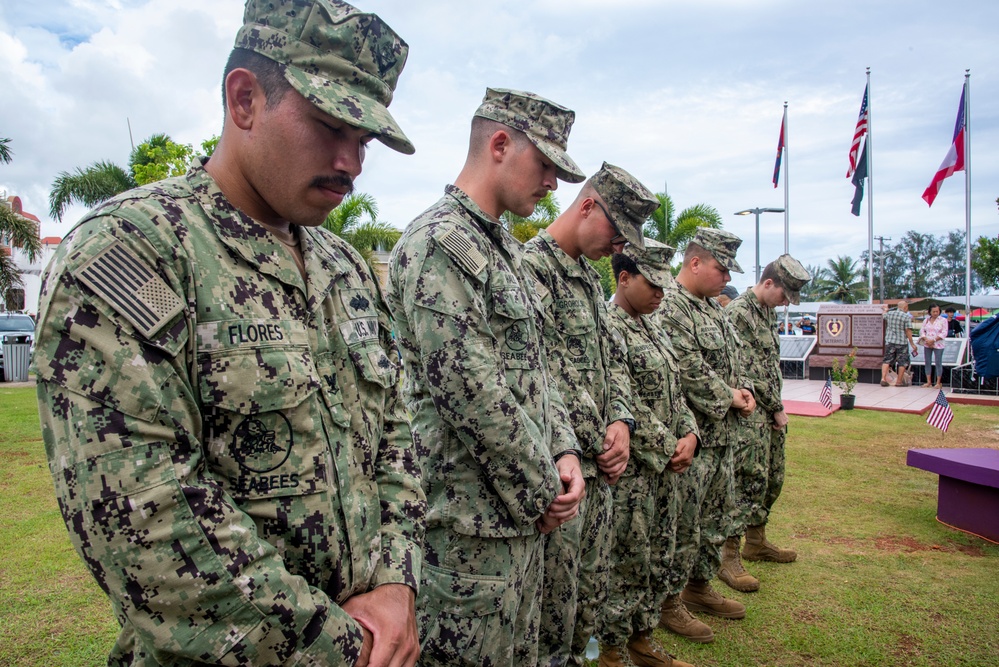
{"points": [[263, 433], [461, 611]]}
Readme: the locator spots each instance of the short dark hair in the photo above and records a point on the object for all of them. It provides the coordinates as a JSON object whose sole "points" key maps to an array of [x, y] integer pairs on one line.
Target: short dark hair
{"points": [[770, 273], [695, 250], [950, 309], [269, 73], [620, 262]]}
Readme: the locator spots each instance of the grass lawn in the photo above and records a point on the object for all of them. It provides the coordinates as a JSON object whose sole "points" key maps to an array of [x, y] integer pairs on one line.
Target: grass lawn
{"points": [[878, 581]]}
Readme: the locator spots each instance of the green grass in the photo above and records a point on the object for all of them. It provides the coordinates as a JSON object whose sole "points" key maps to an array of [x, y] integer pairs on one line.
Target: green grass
{"points": [[878, 581]]}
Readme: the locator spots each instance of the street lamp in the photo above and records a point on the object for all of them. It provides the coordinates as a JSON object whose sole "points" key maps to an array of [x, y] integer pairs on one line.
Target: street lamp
{"points": [[756, 212]]}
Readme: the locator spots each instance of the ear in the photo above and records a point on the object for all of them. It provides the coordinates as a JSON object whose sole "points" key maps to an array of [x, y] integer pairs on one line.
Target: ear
{"points": [[244, 97], [624, 279], [500, 145], [587, 206]]}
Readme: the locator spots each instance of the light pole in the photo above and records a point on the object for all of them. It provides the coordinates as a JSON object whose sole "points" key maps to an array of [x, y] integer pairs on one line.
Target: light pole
{"points": [[756, 212]]}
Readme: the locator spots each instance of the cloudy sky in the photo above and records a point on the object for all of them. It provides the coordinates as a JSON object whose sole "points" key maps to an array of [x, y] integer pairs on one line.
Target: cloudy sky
{"points": [[685, 94]]}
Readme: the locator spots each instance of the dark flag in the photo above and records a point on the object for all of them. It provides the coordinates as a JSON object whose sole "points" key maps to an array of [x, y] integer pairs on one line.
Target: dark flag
{"points": [[858, 181]]}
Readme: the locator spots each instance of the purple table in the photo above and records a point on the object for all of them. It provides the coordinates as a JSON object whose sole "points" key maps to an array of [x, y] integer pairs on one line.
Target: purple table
{"points": [[968, 492]]}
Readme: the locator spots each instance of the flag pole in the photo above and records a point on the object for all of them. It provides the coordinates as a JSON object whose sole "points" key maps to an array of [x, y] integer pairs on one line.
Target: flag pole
{"points": [[967, 198], [787, 167], [869, 150]]}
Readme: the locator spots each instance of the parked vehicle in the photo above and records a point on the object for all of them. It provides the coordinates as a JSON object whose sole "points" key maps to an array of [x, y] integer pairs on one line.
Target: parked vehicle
{"points": [[15, 328]]}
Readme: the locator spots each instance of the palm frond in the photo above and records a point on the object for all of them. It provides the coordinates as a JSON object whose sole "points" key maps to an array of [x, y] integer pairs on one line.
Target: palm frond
{"points": [[350, 212], [89, 186], [6, 155]]}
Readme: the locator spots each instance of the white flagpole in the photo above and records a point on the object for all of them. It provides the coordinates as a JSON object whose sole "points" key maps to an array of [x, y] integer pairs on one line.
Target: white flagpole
{"points": [[869, 150], [967, 198]]}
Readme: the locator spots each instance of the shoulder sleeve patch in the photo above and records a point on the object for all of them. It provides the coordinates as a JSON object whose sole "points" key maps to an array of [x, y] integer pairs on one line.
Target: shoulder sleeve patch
{"points": [[131, 288], [461, 249], [543, 292]]}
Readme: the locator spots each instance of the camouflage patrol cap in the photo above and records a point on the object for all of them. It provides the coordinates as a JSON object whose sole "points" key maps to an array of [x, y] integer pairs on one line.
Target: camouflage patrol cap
{"points": [[344, 61], [629, 202], [793, 277], [721, 244], [653, 261], [545, 123]]}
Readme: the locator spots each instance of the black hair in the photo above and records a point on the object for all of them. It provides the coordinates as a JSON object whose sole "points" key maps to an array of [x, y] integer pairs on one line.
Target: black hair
{"points": [[621, 262], [269, 73], [950, 309]]}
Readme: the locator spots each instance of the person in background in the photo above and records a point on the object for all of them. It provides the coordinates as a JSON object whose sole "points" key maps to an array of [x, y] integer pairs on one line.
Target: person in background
{"points": [[931, 337], [954, 327], [898, 341], [727, 295], [806, 326]]}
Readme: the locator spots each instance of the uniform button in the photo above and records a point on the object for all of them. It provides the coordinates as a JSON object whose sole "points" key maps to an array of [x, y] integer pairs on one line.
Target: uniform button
{"points": [[539, 503]]}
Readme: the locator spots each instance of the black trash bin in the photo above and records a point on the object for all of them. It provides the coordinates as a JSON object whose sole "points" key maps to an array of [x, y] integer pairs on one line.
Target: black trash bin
{"points": [[16, 358]]}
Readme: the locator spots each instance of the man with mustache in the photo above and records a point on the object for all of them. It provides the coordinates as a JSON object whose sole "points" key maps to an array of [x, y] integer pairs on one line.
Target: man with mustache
{"points": [[217, 379], [608, 212], [500, 461]]}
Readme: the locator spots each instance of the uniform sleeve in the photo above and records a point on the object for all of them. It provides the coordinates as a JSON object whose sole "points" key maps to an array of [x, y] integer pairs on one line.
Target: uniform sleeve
{"points": [[765, 388], [397, 474], [705, 390], [619, 380], [449, 334], [183, 566]]}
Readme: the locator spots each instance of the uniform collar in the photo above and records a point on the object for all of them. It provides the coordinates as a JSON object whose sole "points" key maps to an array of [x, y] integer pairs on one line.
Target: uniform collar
{"points": [[573, 268], [488, 223]]}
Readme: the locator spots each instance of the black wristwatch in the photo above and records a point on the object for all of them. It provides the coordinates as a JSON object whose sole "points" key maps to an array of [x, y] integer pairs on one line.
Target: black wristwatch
{"points": [[630, 423]]}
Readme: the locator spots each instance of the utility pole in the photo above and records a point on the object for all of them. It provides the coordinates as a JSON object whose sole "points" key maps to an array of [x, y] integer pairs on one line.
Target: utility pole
{"points": [[881, 260]]}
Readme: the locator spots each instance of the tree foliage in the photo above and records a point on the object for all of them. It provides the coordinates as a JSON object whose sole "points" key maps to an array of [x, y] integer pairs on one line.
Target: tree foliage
{"points": [[986, 261], [924, 265], [842, 281], [18, 232], [156, 158], [677, 230], [348, 222]]}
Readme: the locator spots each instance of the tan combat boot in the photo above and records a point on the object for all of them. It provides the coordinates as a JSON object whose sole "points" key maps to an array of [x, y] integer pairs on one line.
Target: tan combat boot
{"points": [[759, 548], [699, 596], [646, 652], [732, 572], [677, 619], [614, 656]]}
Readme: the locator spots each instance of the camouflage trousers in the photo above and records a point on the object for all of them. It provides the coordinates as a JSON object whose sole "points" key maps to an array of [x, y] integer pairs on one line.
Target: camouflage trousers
{"points": [[480, 604], [577, 555], [759, 475], [705, 496], [646, 509]]}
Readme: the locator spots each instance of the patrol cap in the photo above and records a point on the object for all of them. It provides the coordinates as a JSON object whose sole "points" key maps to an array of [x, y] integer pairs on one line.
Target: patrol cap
{"points": [[792, 276], [344, 61], [653, 261], [545, 123], [730, 291], [629, 202], [721, 244]]}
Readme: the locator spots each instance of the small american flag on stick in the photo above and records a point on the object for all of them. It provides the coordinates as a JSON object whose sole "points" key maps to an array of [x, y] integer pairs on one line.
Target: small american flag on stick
{"points": [[940, 414], [825, 396]]}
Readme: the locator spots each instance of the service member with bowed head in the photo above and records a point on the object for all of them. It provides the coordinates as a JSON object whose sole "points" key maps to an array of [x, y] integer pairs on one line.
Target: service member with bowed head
{"points": [[608, 212], [718, 392], [217, 379], [759, 455], [500, 461], [646, 502]]}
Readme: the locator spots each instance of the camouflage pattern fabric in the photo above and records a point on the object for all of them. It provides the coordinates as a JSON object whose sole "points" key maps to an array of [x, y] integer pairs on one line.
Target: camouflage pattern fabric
{"points": [[487, 416], [480, 606], [646, 502], [710, 365], [722, 245], [227, 442], [594, 385], [759, 459]]}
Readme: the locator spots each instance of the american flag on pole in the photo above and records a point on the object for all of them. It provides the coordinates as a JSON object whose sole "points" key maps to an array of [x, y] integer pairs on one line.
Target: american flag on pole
{"points": [[953, 161], [940, 414], [825, 396], [780, 149], [858, 134]]}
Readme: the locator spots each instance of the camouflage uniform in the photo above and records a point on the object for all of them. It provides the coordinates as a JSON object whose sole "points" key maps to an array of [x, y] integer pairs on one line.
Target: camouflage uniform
{"points": [[710, 365], [487, 423], [646, 504], [759, 462], [228, 445], [226, 437]]}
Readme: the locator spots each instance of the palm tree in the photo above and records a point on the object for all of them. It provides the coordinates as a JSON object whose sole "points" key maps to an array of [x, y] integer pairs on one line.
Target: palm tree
{"points": [[524, 229], [843, 281], [813, 290], [678, 230], [156, 158], [17, 232], [346, 222]]}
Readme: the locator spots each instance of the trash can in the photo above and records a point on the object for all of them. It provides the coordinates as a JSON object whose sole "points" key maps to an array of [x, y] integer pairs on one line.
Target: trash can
{"points": [[16, 358]]}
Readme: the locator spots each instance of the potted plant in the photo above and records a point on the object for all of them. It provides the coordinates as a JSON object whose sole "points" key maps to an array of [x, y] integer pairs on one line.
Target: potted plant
{"points": [[844, 376]]}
